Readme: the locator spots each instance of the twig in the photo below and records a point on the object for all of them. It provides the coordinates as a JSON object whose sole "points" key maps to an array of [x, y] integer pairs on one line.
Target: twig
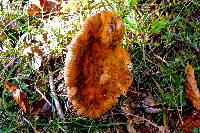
{"points": [[195, 2], [53, 91], [43, 96], [160, 128], [30, 125], [143, 119], [160, 58], [143, 52]]}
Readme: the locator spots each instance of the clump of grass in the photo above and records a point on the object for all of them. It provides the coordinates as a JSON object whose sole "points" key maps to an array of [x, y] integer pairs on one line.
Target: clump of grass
{"points": [[166, 40]]}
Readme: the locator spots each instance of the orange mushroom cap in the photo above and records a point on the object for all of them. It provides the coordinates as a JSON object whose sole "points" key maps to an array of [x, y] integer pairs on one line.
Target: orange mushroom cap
{"points": [[96, 66]]}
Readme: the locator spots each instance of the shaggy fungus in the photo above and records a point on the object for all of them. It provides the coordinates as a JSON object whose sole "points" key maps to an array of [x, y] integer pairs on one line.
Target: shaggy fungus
{"points": [[96, 66]]}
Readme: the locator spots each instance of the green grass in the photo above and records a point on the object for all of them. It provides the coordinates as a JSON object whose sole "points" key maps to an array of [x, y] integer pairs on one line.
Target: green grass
{"points": [[161, 38]]}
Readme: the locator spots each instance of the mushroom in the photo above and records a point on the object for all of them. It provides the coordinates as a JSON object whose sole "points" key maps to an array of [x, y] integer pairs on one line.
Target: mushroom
{"points": [[96, 66]]}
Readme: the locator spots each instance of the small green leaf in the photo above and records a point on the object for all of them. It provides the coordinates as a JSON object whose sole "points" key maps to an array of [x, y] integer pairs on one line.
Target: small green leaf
{"points": [[5, 130], [131, 23], [164, 118], [159, 24], [133, 2], [156, 44], [159, 89]]}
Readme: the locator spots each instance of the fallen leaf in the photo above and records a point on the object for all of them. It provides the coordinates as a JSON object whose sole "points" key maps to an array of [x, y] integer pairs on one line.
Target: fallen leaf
{"points": [[131, 129], [163, 129], [193, 120], [42, 107], [189, 122], [150, 105], [19, 96], [191, 89], [34, 10], [44, 6]]}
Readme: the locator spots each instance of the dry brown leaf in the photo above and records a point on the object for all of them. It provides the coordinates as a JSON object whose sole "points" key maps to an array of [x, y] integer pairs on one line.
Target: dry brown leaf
{"points": [[150, 105], [189, 122], [131, 129], [34, 10], [55, 6], [193, 120], [44, 6], [19, 96], [42, 107], [191, 89]]}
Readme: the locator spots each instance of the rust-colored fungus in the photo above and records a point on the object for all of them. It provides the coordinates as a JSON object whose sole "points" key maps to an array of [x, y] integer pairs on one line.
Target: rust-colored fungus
{"points": [[97, 67]]}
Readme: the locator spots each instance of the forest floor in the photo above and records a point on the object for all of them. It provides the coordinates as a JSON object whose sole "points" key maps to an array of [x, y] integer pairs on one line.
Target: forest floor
{"points": [[162, 39]]}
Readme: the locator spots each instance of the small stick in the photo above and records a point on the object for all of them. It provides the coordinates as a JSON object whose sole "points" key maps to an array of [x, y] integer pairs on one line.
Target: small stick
{"points": [[43, 96], [30, 125], [53, 91], [160, 128]]}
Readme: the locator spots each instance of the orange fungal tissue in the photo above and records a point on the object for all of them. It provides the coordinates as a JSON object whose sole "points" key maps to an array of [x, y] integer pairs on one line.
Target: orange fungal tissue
{"points": [[96, 66]]}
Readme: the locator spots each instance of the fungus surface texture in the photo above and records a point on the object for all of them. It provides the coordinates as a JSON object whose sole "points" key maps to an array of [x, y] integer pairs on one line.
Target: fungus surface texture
{"points": [[97, 68]]}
